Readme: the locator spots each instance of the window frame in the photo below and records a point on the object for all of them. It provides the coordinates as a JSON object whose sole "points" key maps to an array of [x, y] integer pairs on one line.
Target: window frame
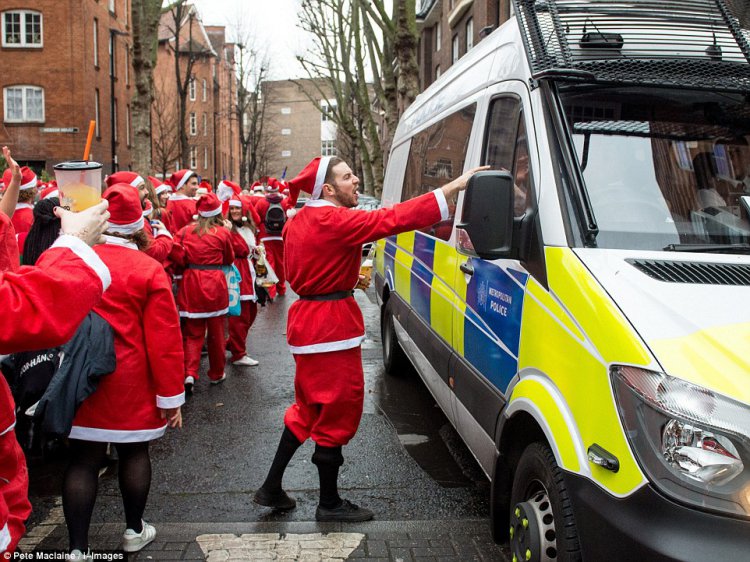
{"points": [[193, 158], [328, 148], [24, 118], [97, 113], [205, 90], [438, 36], [96, 42], [205, 124], [193, 124], [455, 49], [128, 123], [191, 89], [23, 30], [469, 39]]}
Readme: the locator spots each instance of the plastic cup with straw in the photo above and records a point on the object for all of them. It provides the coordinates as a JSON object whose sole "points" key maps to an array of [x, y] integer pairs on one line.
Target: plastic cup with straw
{"points": [[79, 181]]}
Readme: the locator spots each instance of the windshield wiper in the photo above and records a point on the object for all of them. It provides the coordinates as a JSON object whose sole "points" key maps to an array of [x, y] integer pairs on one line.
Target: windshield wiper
{"points": [[709, 248]]}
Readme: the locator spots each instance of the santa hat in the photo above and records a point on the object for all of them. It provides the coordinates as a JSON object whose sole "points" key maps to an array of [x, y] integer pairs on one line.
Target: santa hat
{"points": [[226, 189], [180, 178], [310, 179], [28, 178], [124, 177], [159, 186], [273, 185], [125, 212], [50, 191], [148, 208], [208, 205], [207, 186]]}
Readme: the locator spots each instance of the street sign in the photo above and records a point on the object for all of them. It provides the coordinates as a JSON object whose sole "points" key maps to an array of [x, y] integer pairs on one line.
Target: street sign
{"points": [[59, 129]]}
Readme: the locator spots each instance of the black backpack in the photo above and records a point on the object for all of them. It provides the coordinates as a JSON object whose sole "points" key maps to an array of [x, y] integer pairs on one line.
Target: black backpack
{"points": [[275, 218]]}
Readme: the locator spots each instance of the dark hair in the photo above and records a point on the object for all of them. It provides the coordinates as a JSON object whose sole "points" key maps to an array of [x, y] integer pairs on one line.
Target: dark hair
{"points": [[139, 238], [333, 162], [27, 196], [44, 231]]}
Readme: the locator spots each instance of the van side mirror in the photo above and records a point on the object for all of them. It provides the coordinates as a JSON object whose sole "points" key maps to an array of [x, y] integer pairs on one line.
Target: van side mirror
{"points": [[486, 227]]}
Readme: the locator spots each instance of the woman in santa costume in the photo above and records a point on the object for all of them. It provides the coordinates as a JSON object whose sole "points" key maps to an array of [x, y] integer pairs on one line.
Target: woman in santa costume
{"points": [[134, 404], [23, 217], [162, 192], [243, 243], [203, 250], [325, 327], [181, 204], [273, 241]]}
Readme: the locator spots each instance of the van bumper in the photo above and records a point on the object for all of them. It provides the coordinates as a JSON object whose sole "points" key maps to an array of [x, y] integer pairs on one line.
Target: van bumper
{"points": [[647, 526]]}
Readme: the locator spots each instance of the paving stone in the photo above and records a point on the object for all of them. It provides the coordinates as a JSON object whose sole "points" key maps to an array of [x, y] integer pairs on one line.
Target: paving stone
{"points": [[431, 551], [401, 554], [377, 548]]}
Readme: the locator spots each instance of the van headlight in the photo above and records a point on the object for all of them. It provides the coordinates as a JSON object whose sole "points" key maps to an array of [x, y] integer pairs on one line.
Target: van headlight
{"points": [[692, 443]]}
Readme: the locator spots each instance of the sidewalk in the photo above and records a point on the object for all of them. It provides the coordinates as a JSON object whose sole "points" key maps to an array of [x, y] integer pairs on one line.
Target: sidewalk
{"points": [[406, 541]]}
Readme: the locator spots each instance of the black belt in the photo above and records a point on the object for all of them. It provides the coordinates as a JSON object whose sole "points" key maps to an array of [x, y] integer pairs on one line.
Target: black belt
{"points": [[204, 266], [337, 296]]}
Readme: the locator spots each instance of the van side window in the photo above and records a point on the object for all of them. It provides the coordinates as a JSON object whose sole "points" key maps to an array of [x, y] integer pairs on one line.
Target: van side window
{"points": [[436, 156], [521, 170]]}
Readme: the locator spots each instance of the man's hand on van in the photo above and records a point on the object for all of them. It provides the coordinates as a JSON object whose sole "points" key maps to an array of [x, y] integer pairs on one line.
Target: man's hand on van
{"points": [[459, 184]]}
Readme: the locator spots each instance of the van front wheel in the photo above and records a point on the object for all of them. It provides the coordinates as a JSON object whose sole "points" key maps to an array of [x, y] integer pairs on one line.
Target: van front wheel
{"points": [[394, 358], [542, 524]]}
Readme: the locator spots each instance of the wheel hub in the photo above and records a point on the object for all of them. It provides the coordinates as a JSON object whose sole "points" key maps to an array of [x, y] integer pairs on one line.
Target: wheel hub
{"points": [[532, 531]]}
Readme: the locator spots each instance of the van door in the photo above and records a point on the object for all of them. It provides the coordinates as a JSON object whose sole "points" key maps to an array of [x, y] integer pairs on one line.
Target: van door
{"points": [[487, 322]]}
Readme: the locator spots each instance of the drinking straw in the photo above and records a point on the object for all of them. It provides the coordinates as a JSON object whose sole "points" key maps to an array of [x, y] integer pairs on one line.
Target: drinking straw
{"points": [[92, 127]]}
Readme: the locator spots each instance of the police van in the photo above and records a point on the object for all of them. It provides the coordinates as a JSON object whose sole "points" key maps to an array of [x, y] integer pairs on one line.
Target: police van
{"points": [[583, 318]]}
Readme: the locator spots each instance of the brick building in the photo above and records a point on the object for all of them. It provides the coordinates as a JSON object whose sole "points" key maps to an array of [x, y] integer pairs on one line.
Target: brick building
{"points": [[297, 128], [211, 119], [448, 29], [63, 65]]}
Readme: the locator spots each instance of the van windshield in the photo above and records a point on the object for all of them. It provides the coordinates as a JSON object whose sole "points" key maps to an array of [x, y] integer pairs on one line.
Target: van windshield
{"points": [[663, 169]]}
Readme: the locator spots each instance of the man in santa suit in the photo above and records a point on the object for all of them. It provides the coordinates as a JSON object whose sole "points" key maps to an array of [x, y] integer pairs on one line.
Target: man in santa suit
{"points": [[159, 237], [325, 327], [181, 204], [272, 240], [23, 217]]}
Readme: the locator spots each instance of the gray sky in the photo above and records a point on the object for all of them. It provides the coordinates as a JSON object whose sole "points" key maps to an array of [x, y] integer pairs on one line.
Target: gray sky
{"points": [[272, 22]]}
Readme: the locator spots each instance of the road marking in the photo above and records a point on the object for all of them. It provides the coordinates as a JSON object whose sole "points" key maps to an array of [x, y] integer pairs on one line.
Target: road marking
{"points": [[311, 547]]}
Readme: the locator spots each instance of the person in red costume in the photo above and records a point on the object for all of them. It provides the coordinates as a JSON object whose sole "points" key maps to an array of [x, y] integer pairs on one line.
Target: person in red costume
{"points": [[181, 204], [243, 243], [23, 217], [70, 278], [325, 327], [133, 405], [160, 239], [203, 249], [273, 241]]}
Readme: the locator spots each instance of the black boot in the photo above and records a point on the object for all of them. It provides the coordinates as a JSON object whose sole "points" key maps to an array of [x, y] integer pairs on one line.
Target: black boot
{"points": [[271, 494], [331, 506]]}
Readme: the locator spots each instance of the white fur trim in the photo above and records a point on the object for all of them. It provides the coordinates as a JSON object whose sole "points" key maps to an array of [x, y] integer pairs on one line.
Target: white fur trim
{"points": [[290, 213], [319, 203], [23, 206], [4, 538], [179, 197], [186, 314], [162, 232], [115, 241], [235, 203], [55, 193], [116, 435], [162, 188], [126, 228], [84, 251], [213, 213], [224, 191], [327, 346], [265, 238], [251, 298], [30, 184], [442, 203], [320, 177], [170, 401], [185, 178], [137, 180]]}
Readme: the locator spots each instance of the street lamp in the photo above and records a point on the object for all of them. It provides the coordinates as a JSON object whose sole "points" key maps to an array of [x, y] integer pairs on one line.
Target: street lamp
{"points": [[112, 117]]}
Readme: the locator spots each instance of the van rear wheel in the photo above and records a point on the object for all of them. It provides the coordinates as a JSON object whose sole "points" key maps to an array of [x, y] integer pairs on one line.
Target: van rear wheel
{"points": [[542, 524], [394, 359]]}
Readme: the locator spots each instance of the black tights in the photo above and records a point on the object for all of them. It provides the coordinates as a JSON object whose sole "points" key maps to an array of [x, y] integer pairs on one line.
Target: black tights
{"points": [[82, 478]]}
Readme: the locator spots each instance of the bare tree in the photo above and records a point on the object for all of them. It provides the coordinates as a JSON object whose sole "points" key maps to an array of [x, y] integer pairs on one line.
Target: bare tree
{"points": [[145, 15], [164, 124]]}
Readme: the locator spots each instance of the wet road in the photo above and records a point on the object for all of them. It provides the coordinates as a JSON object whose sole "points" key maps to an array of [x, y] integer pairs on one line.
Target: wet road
{"points": [[406, 462]]}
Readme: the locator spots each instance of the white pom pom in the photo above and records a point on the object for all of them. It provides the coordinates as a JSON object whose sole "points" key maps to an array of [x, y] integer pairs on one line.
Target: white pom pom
{"points": [[244, 219], [195, 217], [290, 213]]}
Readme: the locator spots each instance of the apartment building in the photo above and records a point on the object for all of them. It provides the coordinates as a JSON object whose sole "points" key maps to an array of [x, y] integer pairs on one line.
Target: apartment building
{"points": [[63, 65]]}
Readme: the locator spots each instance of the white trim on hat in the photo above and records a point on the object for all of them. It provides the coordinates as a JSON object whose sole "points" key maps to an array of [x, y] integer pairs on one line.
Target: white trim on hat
{"points": [[55, 193], [212, 213], [235, 203], [30, 184], [129, 228], [185, 178], [320, 177], [147, 212], [162, 188], [137, 180]]}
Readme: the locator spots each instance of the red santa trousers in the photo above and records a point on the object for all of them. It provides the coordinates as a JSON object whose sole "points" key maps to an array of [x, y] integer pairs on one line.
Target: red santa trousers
{"points": [[329, 393], [193, 334], [275, 256], [239, 326]]}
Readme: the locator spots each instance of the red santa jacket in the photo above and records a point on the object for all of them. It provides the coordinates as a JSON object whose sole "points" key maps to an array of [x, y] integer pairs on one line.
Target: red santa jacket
{"points": [[181, 209], [203, 292], [9, 258], [242, 261], [148, 346], [262, 208], [23, 217], [161, 244], [323, 253], [50, 299]]}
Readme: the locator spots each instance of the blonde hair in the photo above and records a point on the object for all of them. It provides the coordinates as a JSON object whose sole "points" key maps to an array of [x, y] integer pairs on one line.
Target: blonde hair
{"points": [[207, 224]]}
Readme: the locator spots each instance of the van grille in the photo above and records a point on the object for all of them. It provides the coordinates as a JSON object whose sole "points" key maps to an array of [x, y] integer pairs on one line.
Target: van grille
{"points": [[695, 272]]}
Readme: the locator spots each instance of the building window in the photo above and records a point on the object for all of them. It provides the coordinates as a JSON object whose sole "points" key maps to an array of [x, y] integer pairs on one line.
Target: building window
{"points": [[127, 66], [205, 90], [437, 72], [438, 36], [22, 28], [328, 148], [286, 132], [193, 158], [191, 89], [469, 34], [112, 6], [96, 43], [112, 53], [454, 49], [286, 110], [24, 104], [127, 126], [326, 110], [193, 124], [205, 158], [286, 153], [205, 124], [96, 112]]}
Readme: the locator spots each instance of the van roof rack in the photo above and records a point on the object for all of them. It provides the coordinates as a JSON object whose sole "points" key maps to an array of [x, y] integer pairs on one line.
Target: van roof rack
{"points": [[700, 44]]}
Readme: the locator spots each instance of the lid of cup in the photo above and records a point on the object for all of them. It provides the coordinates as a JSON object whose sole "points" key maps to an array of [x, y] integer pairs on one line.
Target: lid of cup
{"points": [[78, 165]]}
